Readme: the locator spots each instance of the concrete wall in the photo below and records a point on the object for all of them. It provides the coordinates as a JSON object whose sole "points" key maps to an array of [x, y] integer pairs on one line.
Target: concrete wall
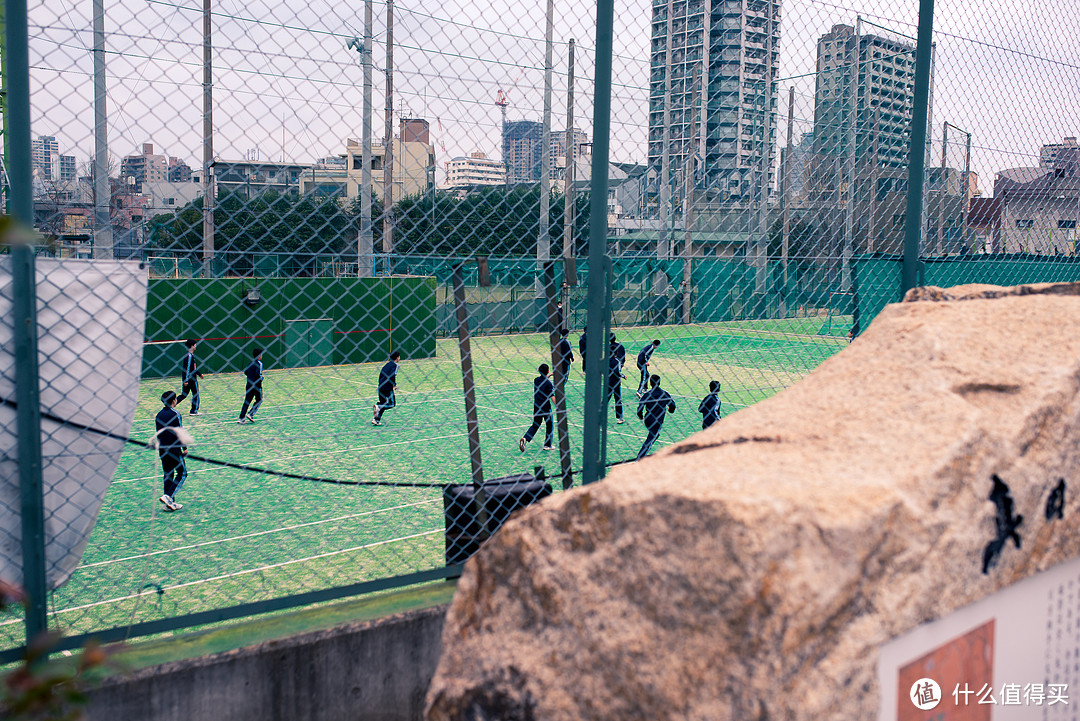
{"points": [[370, 671]]}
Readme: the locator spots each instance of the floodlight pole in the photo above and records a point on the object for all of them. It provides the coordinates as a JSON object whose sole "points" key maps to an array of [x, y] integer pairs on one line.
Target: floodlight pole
{"points": [[103, 235], [598, 315], [208, 142], [24, 318], [917, 148]]}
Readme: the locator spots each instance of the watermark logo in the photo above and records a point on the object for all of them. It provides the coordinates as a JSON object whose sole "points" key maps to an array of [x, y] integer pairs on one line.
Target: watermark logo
{"points": [[925, 694]]}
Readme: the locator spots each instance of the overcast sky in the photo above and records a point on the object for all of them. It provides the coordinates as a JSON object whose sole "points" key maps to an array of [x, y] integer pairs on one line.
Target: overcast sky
{"points": [[286, 86]]}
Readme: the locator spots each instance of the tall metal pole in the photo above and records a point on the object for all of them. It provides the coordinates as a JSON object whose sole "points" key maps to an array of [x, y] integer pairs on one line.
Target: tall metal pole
{"points": [[366, 248], [663, 245], [388, 136], [940, 234], [761, 251], [849, 158], [24, 317], [785, 196], [103, 236], [596, 319], [472, 422], [917, 148], [692, 146], [571, 161], [543, 240], [208, 143], [966, 191]]}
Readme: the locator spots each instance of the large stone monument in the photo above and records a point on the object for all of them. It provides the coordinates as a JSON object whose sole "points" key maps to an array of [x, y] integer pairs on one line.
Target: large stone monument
{"points": [[754, 570]]}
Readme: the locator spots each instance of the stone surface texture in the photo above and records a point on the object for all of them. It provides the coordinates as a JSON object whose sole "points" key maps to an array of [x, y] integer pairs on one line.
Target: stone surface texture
{"points": [[752, 571]]}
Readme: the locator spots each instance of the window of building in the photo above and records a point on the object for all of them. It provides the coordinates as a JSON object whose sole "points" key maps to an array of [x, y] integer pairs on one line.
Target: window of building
{"points": [[1067, 224], [170, 201], [1025, 223]]}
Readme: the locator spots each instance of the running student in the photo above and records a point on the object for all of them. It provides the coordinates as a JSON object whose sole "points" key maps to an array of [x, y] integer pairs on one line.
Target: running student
{"points": [[387, 386], [543, 389], [709, 408], [253, 394], [643, 357], [170, 450], [189, 377], [614, 388], [581, 349], [651, 409]]}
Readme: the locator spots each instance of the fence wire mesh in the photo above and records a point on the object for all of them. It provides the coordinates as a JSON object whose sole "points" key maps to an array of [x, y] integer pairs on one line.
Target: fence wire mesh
{"points": [[363, 229]]}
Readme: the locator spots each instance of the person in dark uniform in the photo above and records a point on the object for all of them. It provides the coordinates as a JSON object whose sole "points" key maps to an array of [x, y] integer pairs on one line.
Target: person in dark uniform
{"points": [[581, 348], [643, 357], [189, 377], [170, 450], [709, 408], [618, 350], [564, 356], [387, 386], [543, 389], [614, 388], [253, 394], [651, 409], [560, 319]]}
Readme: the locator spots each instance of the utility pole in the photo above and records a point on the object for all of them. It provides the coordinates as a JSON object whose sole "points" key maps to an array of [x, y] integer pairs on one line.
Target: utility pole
{"points": [[208, 146], [940, 234], [571, 157], [543, 240], [688, 214], [103, 236], [849, 164], [365, 250], [785, 196], [388, 138], [664, 242]]}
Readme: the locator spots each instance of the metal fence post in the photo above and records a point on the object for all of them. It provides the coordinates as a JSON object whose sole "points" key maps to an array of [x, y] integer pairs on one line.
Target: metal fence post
{"points": [[595, 319], [28, 429], [917, 148]]}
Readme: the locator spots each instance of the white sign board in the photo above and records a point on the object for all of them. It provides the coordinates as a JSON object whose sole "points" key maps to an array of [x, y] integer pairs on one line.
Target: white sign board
{"points": [[1014, 656]]}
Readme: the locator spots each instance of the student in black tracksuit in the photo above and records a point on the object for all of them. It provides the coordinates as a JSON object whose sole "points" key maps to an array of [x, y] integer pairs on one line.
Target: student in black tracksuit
{"points": [[387, 386], [564, 356], [643, 357], [618, 350], [189, 377], [581, 349], [651, 409], [543, 389], [614, 388], [709, 408], [254, 389], [170, 450]]}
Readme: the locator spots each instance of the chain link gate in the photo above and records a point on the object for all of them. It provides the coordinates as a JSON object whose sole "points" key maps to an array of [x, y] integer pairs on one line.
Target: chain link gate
{"points": [[363, 234]]}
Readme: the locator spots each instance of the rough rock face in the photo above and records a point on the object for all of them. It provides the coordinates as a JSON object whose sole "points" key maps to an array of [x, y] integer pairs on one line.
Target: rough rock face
{"points": [[753, 570]]}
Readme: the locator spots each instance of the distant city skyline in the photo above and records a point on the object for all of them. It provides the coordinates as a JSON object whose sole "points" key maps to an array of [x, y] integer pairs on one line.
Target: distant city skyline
{"points": [[295, 93]]}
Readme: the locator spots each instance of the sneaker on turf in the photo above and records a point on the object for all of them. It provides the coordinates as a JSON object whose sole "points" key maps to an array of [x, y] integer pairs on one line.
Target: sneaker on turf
{"points": [[521, 444], [620, 420], [194, 413], [173, 506], [250, 418], [376, 422], [638, 394], [166, 499], [242, 421], [549, 448]]}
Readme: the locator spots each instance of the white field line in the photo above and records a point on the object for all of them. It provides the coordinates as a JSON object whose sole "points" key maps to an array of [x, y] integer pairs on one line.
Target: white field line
{"points": [[234, 575], [255, 535]]}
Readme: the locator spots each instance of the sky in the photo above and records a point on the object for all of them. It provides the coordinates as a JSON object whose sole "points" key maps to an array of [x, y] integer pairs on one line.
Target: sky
{"points": [[287, 87]]}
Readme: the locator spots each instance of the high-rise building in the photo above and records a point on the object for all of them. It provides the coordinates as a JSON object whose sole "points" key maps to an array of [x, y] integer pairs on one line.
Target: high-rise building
{"points": [[885, 79], [732, 48], [1049, 155], [45, 158], [144, 168], [67, 169], [558, 146], [477, 169], [522, 150]]}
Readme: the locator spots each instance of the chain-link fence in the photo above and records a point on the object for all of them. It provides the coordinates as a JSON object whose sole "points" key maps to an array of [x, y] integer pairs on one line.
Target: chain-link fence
{"points": [[365, 236]]}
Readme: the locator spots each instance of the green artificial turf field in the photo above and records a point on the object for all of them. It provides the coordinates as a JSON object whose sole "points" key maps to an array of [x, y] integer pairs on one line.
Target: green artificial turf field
{"points": [[244, 536]]}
